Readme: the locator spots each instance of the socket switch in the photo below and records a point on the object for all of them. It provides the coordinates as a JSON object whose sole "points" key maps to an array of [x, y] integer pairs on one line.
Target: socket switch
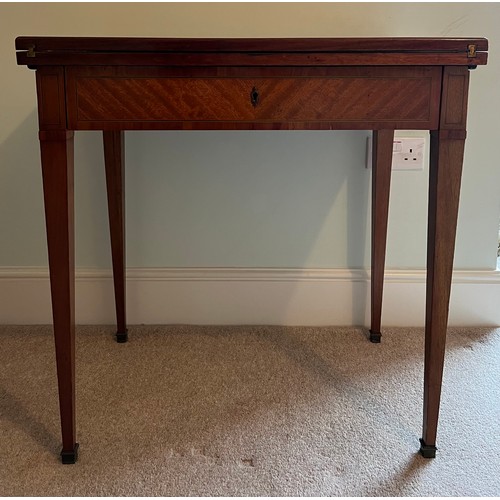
{"points": [[407, 153]]}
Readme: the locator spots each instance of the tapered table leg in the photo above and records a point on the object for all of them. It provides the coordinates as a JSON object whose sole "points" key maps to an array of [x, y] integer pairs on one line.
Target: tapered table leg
{"points": [[57, 171], [381, 181], [446, 158], [114, 158], [444, 190]]}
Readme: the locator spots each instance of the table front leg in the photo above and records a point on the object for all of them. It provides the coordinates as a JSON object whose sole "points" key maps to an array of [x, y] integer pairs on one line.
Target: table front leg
{"points": [[57, 171], [444, 191], [446, 159], [381, 182], [114, 159]]}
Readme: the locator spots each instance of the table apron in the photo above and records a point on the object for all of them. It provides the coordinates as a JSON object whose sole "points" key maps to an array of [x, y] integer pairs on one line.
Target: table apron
{"points": [[240, 98]]}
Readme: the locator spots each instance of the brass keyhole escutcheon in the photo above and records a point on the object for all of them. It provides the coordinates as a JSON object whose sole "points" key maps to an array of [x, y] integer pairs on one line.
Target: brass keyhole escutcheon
{"points": [[254, 97]]}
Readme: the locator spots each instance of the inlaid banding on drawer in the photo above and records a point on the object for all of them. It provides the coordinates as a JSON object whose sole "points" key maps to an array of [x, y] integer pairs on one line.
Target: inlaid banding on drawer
{"points": [[229, 99]]}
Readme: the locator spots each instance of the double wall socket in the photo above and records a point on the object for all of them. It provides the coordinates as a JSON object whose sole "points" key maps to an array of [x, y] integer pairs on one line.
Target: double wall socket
{"points": [[407, 153]]}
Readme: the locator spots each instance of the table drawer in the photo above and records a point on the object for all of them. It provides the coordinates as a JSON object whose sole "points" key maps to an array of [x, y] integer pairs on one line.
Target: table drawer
{"points": [[215, 101]]}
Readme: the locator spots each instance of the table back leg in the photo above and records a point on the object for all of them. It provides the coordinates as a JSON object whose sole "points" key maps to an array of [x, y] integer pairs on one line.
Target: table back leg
{"points": [[381, 181], [114, 158]]}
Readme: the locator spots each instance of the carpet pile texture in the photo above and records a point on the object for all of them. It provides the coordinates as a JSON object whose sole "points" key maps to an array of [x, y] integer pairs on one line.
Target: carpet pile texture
{"points": [[249, 411]]}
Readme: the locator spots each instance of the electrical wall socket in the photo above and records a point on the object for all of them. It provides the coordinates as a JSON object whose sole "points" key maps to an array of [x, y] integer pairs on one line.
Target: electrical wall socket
{"points": [[407, 153]]}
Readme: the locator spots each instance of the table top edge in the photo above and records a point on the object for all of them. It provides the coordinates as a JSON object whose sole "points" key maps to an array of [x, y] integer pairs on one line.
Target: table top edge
{"points": [[269, 45]]}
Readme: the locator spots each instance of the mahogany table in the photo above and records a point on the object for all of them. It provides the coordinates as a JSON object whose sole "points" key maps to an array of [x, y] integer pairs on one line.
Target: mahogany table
{"points": [[378, 84]]}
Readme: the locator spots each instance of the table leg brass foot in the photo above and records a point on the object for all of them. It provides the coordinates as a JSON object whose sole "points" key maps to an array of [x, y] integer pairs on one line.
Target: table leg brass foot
{"points": [[70, 457], [427, 451], [122, 337], [375, 337]]}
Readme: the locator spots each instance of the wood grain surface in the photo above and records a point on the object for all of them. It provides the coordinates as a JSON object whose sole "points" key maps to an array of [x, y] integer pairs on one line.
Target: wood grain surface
{"points": [[118, 98]]}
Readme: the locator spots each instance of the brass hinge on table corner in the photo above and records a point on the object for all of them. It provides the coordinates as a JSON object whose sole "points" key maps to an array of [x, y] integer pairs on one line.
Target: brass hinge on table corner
{"points": [[31, 51], [471, 50]]}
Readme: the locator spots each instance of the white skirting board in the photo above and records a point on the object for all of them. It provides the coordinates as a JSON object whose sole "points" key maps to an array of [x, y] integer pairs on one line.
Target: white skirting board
{"points": [[242, 296]]}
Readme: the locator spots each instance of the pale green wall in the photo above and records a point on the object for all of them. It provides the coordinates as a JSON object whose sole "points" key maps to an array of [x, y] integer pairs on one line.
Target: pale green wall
{"points": [[251, 199]]}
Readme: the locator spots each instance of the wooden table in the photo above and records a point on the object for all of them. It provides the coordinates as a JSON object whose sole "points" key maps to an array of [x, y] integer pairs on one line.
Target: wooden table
{"points": [[378, 84]]}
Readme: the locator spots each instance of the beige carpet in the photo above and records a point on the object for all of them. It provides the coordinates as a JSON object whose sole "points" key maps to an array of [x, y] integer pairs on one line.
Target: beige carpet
{"points": [[245, 411]]}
